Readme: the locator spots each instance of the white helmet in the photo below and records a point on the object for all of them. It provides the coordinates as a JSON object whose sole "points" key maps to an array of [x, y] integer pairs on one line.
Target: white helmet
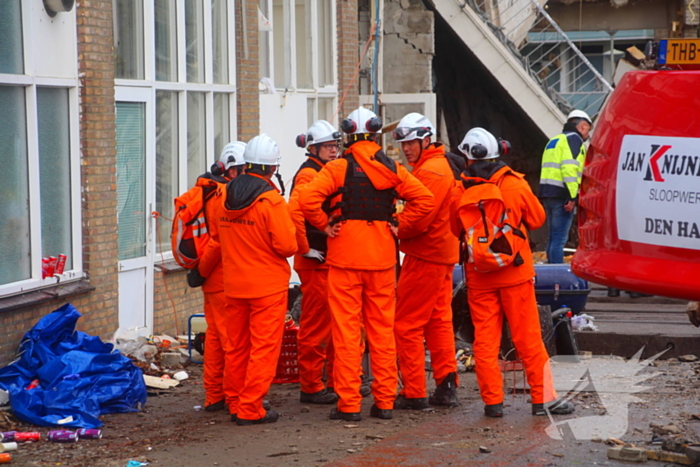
{"points": [[232, 155], [262, 150], [413, 126], [479, 144], [579, 114], [361, 120], [320, 132]]}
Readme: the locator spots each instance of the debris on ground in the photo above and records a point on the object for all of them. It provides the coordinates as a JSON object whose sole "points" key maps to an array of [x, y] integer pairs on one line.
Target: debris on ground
{"points": [[664, 456], [628, 453]]}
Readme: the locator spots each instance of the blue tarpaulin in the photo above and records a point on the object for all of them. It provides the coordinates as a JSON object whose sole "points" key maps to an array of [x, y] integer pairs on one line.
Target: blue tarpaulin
{"points": [[78, 375]]}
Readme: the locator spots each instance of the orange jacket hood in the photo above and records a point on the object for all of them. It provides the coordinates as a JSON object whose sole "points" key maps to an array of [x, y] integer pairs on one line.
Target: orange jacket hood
{"points": [[243, 191], [379, 168]]}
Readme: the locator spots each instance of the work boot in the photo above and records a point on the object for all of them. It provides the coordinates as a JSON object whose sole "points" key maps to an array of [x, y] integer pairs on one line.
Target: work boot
{"points": [[494, 410], [216, 406], [446, 392], [555, 407], [266, 405], [410, 403], [270, 417], [384, 414], [321, 397], [347, 416]]}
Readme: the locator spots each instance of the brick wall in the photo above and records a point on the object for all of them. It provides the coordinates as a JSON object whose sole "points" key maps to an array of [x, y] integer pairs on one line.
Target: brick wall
{"points": [[173, 302], [98, 181], [348, 54], [247, 71]]}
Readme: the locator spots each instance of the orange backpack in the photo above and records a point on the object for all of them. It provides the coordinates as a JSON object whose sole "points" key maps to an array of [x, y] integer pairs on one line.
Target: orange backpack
{"points": [[189, 234], [490, 241]]}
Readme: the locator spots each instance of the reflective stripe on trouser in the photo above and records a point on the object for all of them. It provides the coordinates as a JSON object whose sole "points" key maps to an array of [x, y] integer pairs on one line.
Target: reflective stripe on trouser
{"points": [[518, 303], [255, 326], [424, 314], [314, 341], [356, 297], [215, 315]]}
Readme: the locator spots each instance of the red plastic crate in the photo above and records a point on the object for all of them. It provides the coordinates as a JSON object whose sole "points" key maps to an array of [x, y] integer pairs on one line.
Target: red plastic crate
{"points": [[287, 365]]}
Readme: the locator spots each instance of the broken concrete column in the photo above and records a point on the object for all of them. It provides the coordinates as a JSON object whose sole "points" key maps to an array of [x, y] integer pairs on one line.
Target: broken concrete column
{"points": [[408, 46]]}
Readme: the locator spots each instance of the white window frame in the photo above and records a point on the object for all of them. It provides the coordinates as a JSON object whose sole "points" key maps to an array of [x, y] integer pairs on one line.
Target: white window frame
{"points": [[30, 82], [181, 87], [328, 91]]}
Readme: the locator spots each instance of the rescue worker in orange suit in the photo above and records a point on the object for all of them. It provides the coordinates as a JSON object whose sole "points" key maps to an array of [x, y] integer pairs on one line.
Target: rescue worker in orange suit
{"points": [[363, 186], [211, 268], [256, 234], [508, 291], [314, 341], [424, 293]]}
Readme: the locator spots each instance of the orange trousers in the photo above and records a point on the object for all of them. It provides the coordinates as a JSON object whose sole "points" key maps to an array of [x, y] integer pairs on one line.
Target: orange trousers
{"points": [[517, 302], [424, 315], [215, 316], [255, 327], [356, 297], [315, 341]]}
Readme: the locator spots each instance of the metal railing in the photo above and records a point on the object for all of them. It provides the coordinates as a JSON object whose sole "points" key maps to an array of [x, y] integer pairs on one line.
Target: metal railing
{"points": [[545, 51]]}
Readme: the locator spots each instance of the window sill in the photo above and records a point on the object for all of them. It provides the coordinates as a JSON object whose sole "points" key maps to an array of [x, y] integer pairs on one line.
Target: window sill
{"points": [[39, 297], [169, 266]]}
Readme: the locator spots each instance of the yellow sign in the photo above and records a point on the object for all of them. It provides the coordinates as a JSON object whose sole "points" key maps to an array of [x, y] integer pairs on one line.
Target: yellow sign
{"points": [[679, 51]]}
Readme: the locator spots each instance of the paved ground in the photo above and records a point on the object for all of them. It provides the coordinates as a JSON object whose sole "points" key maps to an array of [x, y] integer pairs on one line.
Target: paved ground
{"points": [[171, 432]]}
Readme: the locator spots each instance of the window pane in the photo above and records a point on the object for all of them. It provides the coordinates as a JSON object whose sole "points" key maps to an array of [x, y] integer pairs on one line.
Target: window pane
{"points": [[54, 173], [264, 44], [310, 111], [131, 180], [196, 135], [166, 40], [15, 255], [303, 43], [194, 40], [222, 123], [282, 44], [219, 18], [326, 109], [325, 43], [11, 56], [167, 173], [128, 37]]}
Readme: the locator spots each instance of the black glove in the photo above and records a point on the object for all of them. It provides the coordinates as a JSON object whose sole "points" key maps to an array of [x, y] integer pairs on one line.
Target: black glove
{"points": [[194, 278]]}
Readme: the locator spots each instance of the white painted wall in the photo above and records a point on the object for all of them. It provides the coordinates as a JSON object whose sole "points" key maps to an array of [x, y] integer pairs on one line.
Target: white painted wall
{"points": [[283, 118], [54, 40]]}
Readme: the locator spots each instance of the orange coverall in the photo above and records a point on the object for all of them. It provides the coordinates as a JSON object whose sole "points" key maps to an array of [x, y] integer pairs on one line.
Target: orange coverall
{"points": [[314, 341], [510, 291], [361, 278], [256, 234], [211, 267], [424, 307]]}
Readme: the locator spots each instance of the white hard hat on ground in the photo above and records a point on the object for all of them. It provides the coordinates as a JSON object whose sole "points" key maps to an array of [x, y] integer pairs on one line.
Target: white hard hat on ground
{"points": [[413, 126], [479, 144], [361, 120], [262, 150], [579, 114], [320, 132], [232, 155]]}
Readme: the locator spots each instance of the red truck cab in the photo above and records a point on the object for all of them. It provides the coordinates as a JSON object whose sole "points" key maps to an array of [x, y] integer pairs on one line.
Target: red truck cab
{"points": [[639, 219]]}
